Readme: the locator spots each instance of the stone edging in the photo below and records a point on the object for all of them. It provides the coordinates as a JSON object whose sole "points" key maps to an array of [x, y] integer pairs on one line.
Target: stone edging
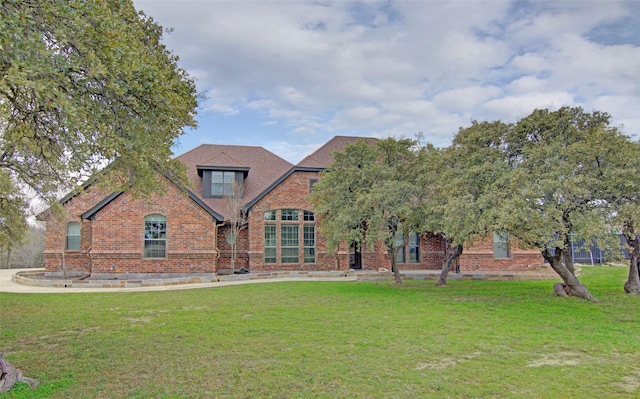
{"points": [[29, 278]]}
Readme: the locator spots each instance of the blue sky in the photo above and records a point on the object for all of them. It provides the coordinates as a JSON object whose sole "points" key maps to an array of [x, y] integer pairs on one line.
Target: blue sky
{"points": [[289, 75]]}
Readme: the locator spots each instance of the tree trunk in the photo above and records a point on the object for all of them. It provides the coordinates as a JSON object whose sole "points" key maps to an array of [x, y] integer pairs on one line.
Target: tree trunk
{"points": [[567, 256], [451, 254], [573, 286], [392, 251], [9, 376], [632, 286]]}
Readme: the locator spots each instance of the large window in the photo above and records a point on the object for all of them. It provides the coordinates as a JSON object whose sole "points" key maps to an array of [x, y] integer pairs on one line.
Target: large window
{"points": [[155, 236], [270, 243], [289, 236], [290, 246], [500, 245], [73, 236], [309, 243]]}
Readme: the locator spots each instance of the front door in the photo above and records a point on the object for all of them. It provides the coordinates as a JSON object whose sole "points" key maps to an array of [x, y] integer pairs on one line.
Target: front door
{"points": [[355, 257]]}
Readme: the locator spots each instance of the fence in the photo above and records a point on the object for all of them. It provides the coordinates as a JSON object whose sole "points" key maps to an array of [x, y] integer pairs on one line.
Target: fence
{"points": [[593, 255]]}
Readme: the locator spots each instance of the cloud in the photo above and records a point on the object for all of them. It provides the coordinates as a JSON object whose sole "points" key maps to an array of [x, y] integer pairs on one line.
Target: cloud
{"points": [[316, 69]]}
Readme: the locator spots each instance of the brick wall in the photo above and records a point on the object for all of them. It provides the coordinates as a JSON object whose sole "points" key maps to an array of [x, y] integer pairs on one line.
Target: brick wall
{"points": [[479, 256], [113, 243]]}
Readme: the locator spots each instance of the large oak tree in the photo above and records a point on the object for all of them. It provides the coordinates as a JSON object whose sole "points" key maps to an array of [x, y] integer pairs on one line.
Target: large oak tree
{"points": [[82, 85], [559, 186], [367, 196]]}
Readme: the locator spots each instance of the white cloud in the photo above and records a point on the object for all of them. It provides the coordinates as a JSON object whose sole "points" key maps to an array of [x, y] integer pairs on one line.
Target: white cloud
{"points": [[316, 69]]}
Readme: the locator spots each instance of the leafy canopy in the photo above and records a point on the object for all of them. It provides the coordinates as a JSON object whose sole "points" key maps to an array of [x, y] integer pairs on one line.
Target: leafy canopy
{"points": [[83, 85]]}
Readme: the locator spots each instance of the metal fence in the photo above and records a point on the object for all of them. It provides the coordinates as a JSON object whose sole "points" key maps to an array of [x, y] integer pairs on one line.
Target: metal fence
{"points": [[593, 255]]}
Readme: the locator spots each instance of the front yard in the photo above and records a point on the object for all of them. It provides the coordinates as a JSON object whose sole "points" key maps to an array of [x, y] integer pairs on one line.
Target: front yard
{"points": [[326, 340]]}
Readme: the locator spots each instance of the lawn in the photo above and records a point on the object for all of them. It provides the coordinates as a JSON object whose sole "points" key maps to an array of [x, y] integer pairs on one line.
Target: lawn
{"points": [[471, 339]]}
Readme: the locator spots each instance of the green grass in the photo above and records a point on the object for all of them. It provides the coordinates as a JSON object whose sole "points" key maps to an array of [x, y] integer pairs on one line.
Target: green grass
{"points": [[471, 339]]}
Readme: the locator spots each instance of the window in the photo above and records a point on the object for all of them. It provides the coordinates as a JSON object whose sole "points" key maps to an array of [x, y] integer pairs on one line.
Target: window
{"points": [[414, 248], [400, 255], [73, 236], [289, 236], [312, 182], [155, 236], [308, 216], [270, 243], [309, 244], [289, 214], [222, 183], [270, 215], [289, 242], [500, 245]]}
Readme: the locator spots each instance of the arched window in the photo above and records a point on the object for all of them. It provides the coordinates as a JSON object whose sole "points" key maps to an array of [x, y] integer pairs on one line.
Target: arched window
{"points": [[155, 236], [73, 236]]}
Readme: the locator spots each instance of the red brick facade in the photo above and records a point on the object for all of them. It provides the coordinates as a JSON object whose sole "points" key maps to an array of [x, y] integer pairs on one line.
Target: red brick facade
{"points": [[112, 231], [112, 242]]}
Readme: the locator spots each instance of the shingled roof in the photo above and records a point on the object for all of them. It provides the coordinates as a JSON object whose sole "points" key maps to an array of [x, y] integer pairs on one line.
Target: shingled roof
{"points": [[323, 156], [264, 169]]}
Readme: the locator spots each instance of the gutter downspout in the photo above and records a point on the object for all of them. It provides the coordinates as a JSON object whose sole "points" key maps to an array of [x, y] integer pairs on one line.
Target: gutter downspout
{"points": [[216, 244]]}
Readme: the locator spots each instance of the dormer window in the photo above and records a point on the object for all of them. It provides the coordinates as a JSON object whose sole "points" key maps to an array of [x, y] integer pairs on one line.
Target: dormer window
{"points": [[222, 181]]}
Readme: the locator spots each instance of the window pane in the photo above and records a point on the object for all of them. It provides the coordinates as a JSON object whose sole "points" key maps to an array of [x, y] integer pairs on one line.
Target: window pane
{"points": [[500, 245], [289, 214], [309, 216], [414, 248], [400, 258], [309, 236], [289, 242], [269, 244], [217, 177], [270, 215], [73, 236]]}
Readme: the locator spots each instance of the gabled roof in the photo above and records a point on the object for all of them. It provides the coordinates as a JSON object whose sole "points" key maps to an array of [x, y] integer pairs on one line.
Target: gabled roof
{"points": [[262, 168], [91, 213], [318, 161], [323, 156]]}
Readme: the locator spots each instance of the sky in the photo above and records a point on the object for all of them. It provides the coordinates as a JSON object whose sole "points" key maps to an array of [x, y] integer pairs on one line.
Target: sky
{"points": [[289, 75]]}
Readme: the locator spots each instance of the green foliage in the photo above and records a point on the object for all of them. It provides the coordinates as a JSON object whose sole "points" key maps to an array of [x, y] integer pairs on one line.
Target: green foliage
{"points": [[459, 202], [82, 85], [473, 339], [564, 166], [367, 194]]}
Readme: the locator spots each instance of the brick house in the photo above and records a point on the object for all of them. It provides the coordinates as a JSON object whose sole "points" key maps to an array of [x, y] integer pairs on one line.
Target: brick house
{"points": [[181, 232]]}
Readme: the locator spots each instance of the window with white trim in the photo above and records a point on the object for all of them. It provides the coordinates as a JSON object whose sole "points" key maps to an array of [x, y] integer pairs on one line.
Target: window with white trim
{"points": [[500, 245], [73, 236], [270, 243], [155, 236]]}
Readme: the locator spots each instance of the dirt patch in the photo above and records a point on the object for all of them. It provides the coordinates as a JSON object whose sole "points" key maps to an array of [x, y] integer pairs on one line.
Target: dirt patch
{"points": [[558, 359], [630, 383]]}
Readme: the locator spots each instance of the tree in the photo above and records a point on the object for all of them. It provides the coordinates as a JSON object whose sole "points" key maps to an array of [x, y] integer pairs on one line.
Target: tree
{"points": [[456, 187], [238, 218], [83, 85], [558, 161], [366, 196], [622, 195]]}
